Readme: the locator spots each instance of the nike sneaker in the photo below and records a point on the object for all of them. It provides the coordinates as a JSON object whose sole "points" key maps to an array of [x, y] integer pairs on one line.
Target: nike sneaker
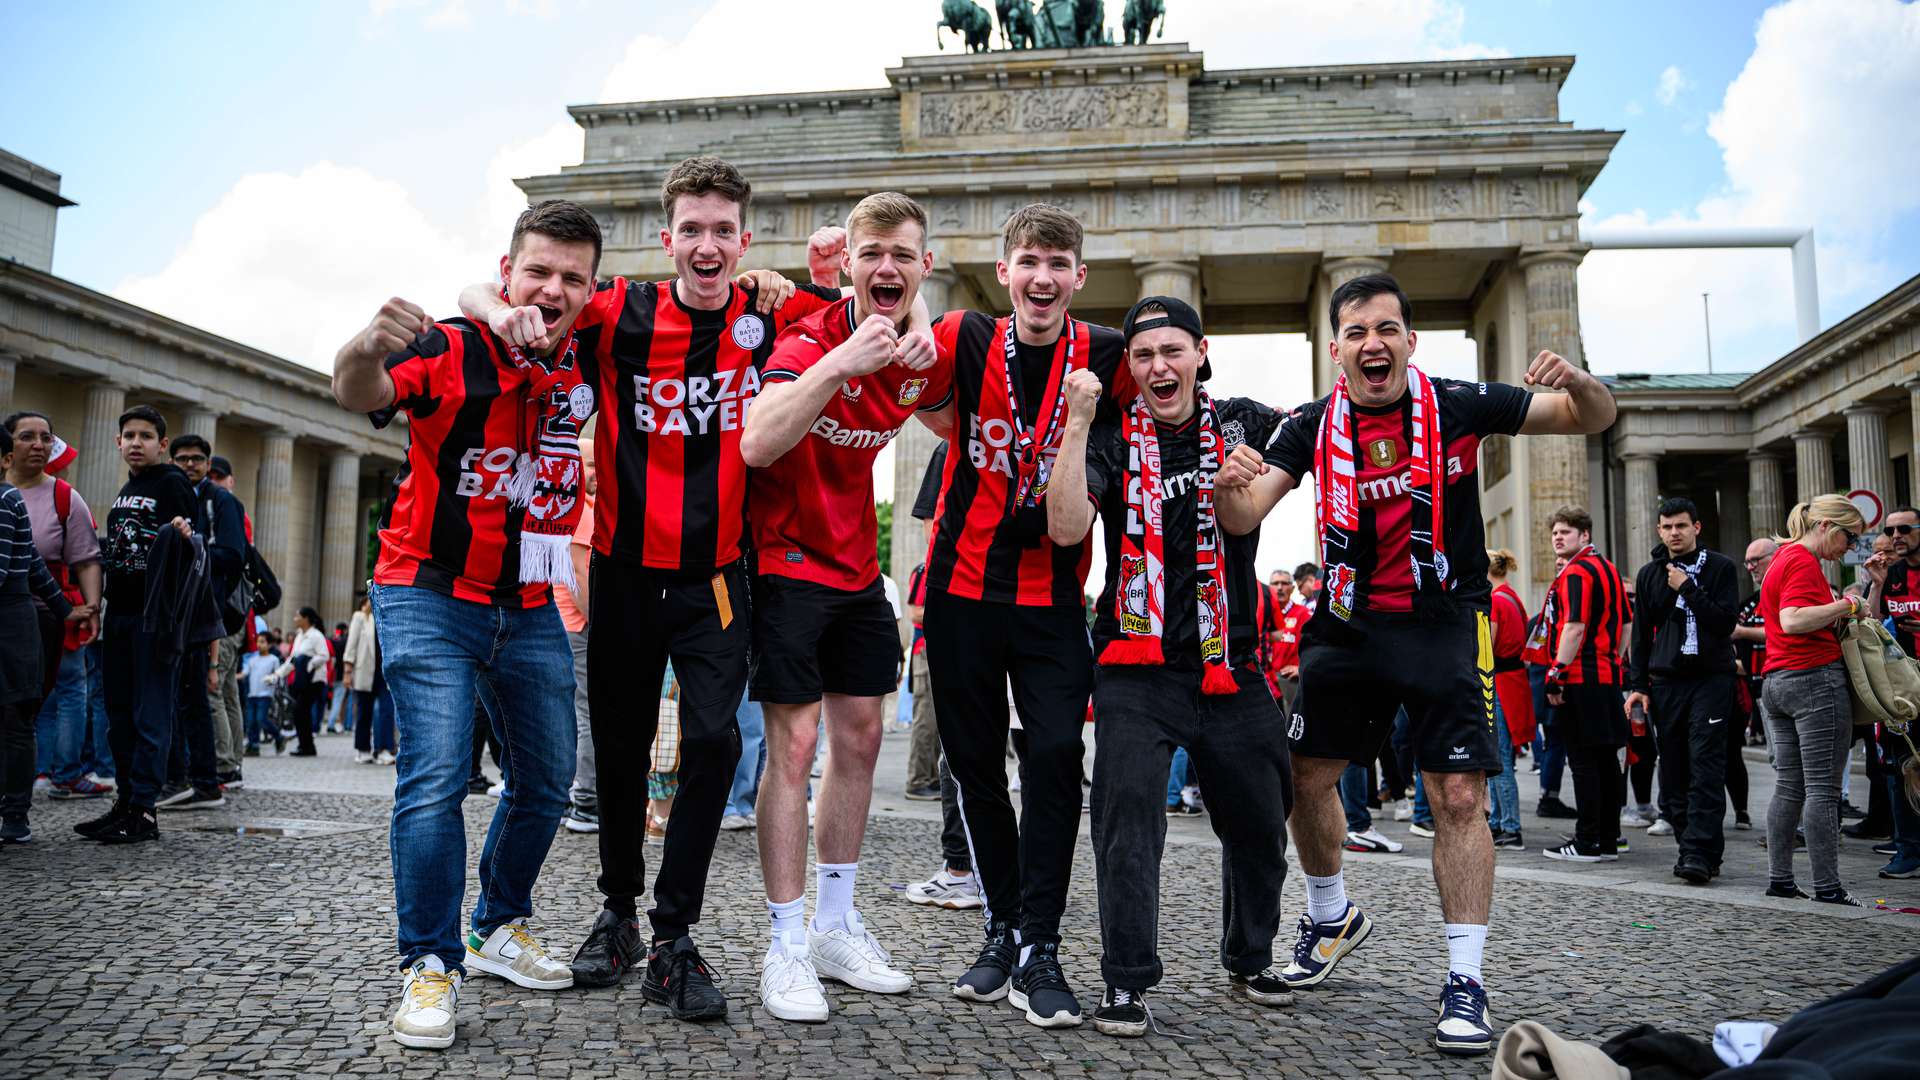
{"points": [[1320, 946]]}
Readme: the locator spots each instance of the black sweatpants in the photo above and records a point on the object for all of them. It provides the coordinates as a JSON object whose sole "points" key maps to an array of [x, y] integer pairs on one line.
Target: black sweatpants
{"points": [[973, 648], [190, 758], [1237, 746], [640, 619], [953, 834], [1593, 727], [1690, 718]]}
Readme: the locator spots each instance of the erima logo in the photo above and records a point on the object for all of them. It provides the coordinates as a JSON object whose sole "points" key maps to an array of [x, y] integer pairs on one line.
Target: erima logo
{"points": [[858, 438], [1459, 754]]}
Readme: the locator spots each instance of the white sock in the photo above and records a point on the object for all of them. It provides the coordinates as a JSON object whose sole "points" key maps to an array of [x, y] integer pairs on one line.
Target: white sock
{"points": [[1326, 897], [1465, 944], [789, 921], [833, 894]]}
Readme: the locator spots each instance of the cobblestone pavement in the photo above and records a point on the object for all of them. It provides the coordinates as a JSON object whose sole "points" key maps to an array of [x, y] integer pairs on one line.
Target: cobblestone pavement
{"points": [[216, 954]]}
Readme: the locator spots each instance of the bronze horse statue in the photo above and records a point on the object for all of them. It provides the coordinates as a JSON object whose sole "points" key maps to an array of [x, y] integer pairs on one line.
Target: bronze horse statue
{"points": [[1139, 19], [1016, 23], [1090, 19], [969, 20]]}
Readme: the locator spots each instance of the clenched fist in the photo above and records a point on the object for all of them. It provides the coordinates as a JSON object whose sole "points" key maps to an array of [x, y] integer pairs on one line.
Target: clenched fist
{"points": [[393, 328], [824, 249], [523, 327], [1241, 468], [1083, 390], [915, 351], [1553, 371], [870, 348]]}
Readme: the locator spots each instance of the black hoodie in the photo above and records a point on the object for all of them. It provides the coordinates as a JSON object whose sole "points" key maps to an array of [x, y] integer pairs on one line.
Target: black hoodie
{"points": [[150, 499], [1660, 626]]}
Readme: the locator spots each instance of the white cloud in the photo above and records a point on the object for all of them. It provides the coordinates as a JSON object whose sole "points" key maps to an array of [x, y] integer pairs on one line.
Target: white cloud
{"points": [[452, 15], [1672, 84], [1814, 131]]}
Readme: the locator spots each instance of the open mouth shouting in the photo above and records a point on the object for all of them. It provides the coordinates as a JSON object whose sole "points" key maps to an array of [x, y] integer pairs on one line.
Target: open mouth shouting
{"points": [[1042, 301], [1164, 391], [1376, 371], [707, 272], [887, 297], [550, 315]]}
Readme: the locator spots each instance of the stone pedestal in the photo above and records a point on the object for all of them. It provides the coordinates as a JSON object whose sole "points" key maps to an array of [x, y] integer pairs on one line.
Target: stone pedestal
{"points": [[98, 473], [341, 537], [1335, 271], [273, 506], [1868, 465], [1556, 464], [1642, 500], [912, 449], [1766, 495]]}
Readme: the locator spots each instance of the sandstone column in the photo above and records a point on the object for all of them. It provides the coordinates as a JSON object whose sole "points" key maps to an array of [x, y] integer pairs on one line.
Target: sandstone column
{"points": [[1766, 494], [1335, 271], [1868, 465], [8, 365], [200, 421], [1643, 498], [1556, 464], [1813, 458], [341, 536], [273, 507], [1180, 280], [98, 473], [1913, 456], [912, 448]]}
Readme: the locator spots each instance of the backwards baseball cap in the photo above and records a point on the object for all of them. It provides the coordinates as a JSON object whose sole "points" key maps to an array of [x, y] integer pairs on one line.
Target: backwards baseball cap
{"points": [[1173, 312], [220, 466]]}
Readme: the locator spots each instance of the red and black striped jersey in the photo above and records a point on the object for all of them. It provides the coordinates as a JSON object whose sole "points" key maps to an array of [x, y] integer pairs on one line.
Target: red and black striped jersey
{"points": [[982, 548], [1590, 592], [673, 384], [450, 527]]}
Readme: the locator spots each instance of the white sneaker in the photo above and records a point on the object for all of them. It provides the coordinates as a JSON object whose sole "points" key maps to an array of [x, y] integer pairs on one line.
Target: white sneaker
{"points": [[947, 891], [42, 785], [736, 822], [849, 954], [1632, 819], [1371, 840], [362, 757], [789, 987], [1190, 796], [1663, 827], [494, 791], [384, 757], [511, 953], [1402, 810], [428, 1001]]}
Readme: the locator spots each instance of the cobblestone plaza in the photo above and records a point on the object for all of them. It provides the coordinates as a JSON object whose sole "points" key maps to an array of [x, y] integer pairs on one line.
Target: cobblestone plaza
{"points": [[217, 954]]}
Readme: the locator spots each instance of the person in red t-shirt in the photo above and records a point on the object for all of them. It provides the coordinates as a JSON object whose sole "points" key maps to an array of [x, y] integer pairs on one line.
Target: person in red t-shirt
{"points": [[1809, 715], [1289, 623], [838, 388]]}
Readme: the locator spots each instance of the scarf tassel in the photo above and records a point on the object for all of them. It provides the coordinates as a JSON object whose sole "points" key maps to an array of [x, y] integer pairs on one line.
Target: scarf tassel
{"points": [[1218, 681], [547, 558], [1133, 650]]}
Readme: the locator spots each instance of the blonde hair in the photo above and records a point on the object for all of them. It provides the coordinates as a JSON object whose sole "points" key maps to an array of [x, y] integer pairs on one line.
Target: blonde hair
{"points": [[1836, 510], [1501, 562], [885, 211]]}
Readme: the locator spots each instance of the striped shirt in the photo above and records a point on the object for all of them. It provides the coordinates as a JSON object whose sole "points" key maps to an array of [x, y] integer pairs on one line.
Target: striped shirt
{"points": [[20, 562], [1591, 593]]}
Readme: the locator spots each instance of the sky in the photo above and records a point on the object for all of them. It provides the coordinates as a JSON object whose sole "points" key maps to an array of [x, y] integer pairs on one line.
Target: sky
{"points": [[272, 172]]}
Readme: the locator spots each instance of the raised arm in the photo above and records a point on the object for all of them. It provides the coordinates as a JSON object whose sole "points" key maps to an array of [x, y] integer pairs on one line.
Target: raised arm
{"points": [[360, 380], [1247, 489], [1585, 408], [1069, 511], [784, 409]]}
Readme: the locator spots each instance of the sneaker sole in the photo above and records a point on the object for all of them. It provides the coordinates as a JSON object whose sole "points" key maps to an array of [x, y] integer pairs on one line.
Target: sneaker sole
{"points": [[28, 839], [1352, 943], [215, 805], [1271, 1001], [1058, 1020], [1463, 1049], [423, 1042], [1122, 1028], [862, 982], [658, 995], [487, 966], [960, 904], [581, 826], [968, 993], [793, 1015]]}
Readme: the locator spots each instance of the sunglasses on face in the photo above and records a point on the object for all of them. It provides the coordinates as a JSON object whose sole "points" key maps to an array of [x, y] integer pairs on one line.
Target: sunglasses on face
{"points": [[1852, 537], [1891, 530]]}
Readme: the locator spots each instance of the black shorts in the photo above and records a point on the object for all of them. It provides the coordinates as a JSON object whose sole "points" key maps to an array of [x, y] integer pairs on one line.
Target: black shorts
{"points": [[811, 639], [1440, 672]]}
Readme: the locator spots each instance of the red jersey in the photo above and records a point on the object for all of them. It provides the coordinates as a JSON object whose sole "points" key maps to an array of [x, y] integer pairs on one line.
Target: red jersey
{"points": [[673, 384], [982, 547], [1795, 580], [1591, 593], [450, 528], [1293, 619], [813, 516]]}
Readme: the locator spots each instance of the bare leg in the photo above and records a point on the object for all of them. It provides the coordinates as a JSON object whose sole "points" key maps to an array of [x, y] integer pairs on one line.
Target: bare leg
{"points": [[1318, 823], [1462, 846], [781, 811], [854, 732]]}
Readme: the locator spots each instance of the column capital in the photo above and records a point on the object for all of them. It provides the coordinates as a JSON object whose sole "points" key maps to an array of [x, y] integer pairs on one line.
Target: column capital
{"points": [[1911, 386], [1143, 267], [1638, 455], [1532, 257], [276, 434], [1806, 435], [1865, 409], [1353, 264], [1765, 455]]}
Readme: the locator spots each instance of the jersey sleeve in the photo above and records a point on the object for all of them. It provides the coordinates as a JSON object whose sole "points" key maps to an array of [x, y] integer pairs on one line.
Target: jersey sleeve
{"points": [[794, 351], [946, 336], [1256, 423], [603, 307], [1290, 446], [419, 373], [806, 300], [1106, 462], [1485, 408], [939, 392]]}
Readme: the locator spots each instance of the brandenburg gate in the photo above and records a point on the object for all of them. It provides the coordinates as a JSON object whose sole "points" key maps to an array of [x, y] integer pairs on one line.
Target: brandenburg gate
{"points": [[1251, 193]]}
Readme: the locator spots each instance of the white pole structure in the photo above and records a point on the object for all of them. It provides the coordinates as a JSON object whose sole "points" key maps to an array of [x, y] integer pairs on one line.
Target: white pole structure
{"points": [[1806, 285]]}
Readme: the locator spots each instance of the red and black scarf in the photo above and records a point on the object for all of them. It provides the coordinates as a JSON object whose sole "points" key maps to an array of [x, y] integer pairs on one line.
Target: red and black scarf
{"points": [[549, 480], [1140, 599], [1337, 494]]}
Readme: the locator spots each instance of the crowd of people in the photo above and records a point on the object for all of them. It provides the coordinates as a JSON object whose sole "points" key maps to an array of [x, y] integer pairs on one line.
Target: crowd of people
{"points": [[613, 483]]}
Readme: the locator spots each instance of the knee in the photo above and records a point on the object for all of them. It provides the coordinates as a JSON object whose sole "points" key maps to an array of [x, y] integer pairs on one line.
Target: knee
{"points": [[790, 752], [1055, 751], [1457, 795], [1317, 775]]}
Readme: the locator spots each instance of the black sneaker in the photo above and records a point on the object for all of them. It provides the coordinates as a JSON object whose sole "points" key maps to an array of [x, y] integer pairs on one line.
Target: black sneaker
{"points": [[1266, 988], [680, 980], [612, 948], [1122, 1012], [477, 785], [1850, 812], [924, 793], [1693, 869], [172, 793], [136, 826], [1509, 839], [1786, 890], [1551, 807], [992, 970], [196, 799], [1742, 820], [15, 830], [1867, 829], [93, 827], [253, 750], [1040, 988], [1837, 896]]}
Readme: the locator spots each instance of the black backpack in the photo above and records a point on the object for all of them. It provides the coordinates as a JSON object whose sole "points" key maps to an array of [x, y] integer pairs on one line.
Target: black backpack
{"points": [[259, 580]]}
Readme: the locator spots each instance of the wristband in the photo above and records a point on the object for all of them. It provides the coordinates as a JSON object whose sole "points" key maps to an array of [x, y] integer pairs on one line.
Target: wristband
{"points": [[1853, 606], [1557, 675]]}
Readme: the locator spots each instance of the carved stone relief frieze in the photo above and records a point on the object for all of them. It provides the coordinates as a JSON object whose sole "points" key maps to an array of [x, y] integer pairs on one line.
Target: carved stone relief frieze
{"points": [[1048, 109]]}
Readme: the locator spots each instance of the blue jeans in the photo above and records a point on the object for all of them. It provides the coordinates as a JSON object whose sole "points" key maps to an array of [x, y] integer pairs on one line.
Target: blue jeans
{"points": [[259, 712], [753, 757], [1503, 791], [1353, 796], [440, 655], [61, 728], [1422, 813], [1177, 776]]}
